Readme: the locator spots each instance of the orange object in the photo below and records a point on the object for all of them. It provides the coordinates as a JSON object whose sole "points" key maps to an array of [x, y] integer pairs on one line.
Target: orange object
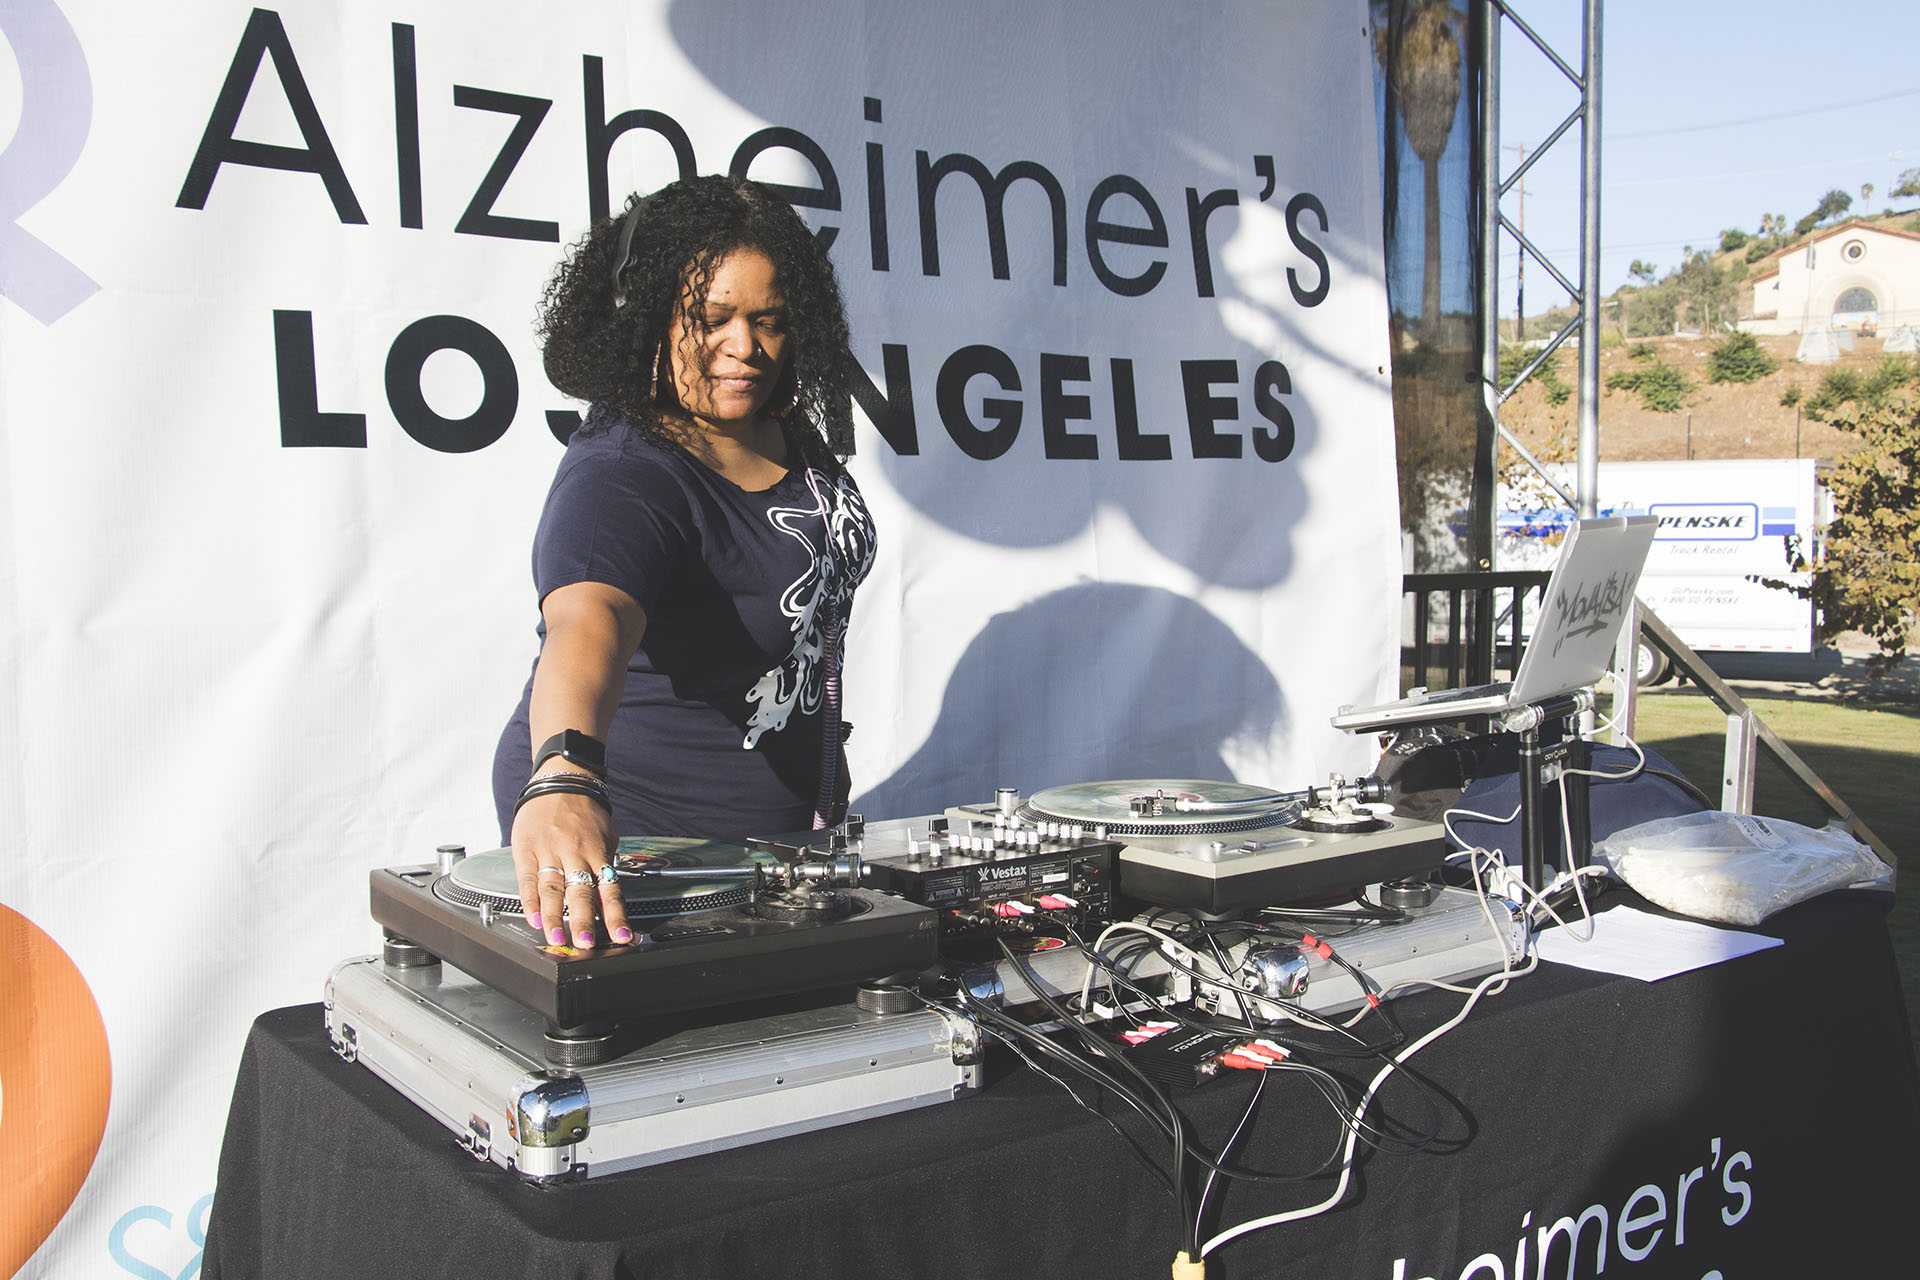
{"points": [[56, 1078]]}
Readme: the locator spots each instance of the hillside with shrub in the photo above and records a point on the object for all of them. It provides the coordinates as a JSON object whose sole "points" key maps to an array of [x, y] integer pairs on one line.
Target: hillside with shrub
{"points": [[1659, 399]]}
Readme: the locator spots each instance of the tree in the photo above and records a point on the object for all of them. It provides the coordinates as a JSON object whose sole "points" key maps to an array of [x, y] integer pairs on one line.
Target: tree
{"points": [[1426, 74], [1547, 376], [1908, 184], [1739, 357], [1437, 411], [1661, 387], [1832, 205], [1866, 577], [1655, 308], [1626, 298], [1732, 238], [1866, 193], [1703, 289]]}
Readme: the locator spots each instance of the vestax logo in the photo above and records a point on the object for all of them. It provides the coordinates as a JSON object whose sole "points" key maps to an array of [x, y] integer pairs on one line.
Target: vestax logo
{"points": [[56, 110], [55, 1082]]}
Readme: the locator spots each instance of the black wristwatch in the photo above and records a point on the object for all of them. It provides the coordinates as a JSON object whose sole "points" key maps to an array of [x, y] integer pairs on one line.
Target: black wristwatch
{"points": [[574, 747]]}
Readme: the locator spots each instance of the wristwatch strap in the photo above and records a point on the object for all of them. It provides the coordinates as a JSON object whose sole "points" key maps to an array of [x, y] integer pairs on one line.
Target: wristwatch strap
{"points": [[576, 748]]}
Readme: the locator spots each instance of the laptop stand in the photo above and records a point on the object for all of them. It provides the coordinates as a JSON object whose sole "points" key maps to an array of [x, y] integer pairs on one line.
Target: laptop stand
{"points": [[1568, 755]]}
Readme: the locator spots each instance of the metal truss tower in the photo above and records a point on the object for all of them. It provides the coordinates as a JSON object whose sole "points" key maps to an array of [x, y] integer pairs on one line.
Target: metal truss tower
{"points": [[1585, 290]]}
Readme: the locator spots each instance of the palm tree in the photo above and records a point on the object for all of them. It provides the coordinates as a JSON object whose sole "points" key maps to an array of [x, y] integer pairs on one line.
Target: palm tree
{"points": [[1426, 74]]}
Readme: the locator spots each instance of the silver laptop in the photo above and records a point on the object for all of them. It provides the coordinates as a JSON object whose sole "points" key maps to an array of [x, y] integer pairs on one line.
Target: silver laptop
{"points": [[1586, 601]]}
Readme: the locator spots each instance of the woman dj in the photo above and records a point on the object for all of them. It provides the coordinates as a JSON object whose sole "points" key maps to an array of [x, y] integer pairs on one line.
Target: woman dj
{"points": [[698, 553]]}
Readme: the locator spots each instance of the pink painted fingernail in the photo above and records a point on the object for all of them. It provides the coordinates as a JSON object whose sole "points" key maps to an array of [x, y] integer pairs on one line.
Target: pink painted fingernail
{"points": [[583, 939], [557, 936], [623, 935], [534, 920]]}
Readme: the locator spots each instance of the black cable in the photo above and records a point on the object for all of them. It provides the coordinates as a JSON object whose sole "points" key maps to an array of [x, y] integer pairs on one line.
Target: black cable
{"points": [[1011, 1032], [1172, 1124], [1226, 1148], [981, 1011], [1189, 1228], [1133, 945], [1329, 1086], [1240, 1001], [1375, 1137], [1360, 1048], [1369, 913], [1332, 1089], [1291, 1040]]}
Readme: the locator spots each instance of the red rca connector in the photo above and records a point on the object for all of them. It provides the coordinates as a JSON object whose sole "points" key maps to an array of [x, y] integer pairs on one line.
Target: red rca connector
{"points": [[1254, 1055], [1314, 944], [1146, 1031], [1058, 902]]}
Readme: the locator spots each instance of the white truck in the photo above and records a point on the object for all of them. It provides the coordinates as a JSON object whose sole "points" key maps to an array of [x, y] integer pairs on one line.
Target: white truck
{"points": [[1723, 525]]}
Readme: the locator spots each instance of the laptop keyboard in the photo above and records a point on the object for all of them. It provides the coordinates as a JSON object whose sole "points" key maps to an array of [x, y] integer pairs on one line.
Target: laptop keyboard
{"points": [[1458, 695]]}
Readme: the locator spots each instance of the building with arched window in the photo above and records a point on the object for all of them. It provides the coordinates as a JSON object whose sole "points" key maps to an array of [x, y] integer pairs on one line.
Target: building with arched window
{"points": [[1860, 276]]}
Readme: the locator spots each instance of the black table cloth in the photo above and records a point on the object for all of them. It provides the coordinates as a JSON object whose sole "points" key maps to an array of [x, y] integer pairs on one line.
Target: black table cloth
{"points": [[1756, 1118]]}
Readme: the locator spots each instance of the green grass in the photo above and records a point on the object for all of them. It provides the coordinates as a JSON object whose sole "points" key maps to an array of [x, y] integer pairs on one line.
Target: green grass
{"points": [[1867, 751]]}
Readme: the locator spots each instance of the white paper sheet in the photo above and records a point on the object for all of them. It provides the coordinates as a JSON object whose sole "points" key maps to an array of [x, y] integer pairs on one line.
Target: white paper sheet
{"points": [[1639, 944]]}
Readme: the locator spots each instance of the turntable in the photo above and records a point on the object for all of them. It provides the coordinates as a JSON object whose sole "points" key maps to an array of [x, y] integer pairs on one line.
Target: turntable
{"points": [[1221, 847], [715, 924]]}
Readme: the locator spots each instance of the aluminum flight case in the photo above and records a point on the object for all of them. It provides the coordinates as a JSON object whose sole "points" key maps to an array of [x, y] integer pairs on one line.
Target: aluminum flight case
{"points": [[474, 1060]]}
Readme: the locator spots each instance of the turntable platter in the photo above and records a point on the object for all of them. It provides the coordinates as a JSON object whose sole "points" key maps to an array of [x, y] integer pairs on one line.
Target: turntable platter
{"points": [[1146, 806], [488, 878]]}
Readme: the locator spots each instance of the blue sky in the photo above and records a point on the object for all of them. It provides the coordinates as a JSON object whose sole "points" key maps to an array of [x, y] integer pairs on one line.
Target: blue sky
{"points": [[1711, 115]]}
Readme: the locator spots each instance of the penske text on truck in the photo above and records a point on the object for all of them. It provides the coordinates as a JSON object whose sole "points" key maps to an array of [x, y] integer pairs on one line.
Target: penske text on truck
{"points": [[1724, 525]]}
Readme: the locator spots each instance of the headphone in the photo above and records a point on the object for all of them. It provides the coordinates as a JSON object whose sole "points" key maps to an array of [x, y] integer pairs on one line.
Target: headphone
{"points": [[623, 251]]}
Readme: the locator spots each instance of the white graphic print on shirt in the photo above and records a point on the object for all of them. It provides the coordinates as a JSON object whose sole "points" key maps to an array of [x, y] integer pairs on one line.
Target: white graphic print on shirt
{"points": [[816, 601]]}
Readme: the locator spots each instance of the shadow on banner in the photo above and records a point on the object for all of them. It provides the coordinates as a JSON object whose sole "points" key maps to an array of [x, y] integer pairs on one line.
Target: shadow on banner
{"points": [[1058, 681]]}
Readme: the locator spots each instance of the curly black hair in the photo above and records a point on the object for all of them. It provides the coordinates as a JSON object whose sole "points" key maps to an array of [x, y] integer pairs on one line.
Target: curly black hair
{"points": [[609, 353]]}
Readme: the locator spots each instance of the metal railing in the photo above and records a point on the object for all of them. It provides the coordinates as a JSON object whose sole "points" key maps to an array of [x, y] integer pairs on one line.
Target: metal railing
{"points": [[1483, 613], [1477, 629], [1746, 731]]}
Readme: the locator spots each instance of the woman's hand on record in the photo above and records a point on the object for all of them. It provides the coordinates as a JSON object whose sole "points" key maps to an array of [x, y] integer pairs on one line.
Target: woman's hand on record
{"points": [[563, 843]]}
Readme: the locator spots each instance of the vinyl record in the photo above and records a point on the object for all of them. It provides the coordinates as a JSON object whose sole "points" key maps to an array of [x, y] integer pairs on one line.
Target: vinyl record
{"points": [[488, 878], [1112, 805]]}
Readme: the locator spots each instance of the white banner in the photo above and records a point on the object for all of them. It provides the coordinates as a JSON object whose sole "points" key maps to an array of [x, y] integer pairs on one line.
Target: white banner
{"points": [[274, 435]]}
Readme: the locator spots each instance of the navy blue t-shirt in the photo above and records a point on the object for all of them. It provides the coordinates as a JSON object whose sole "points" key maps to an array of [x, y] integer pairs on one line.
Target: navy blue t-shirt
{"points": [[719, 731]]}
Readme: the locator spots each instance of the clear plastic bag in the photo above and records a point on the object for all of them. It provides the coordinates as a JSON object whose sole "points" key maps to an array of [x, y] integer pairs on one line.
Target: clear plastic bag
{"points": [[1736, 868]]}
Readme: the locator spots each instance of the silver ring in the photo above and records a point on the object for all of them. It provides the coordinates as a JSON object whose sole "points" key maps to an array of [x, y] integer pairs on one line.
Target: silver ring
{"points": [[579, 877], [553, 871], [608, 875]]}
